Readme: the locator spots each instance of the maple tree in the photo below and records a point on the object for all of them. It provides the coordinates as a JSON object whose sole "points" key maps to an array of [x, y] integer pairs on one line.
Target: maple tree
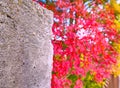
{"points": [[84, 38]]}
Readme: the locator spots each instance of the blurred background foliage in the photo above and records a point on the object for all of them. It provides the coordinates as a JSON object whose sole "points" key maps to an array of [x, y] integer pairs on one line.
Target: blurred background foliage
{"points": [[88, 80]]}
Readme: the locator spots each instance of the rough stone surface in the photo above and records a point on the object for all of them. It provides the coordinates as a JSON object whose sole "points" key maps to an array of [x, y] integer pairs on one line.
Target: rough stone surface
{"points": [[25, 45]]}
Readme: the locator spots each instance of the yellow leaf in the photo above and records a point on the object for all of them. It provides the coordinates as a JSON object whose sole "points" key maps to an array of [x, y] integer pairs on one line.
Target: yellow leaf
{"points": [[116, 67], [115, 6], [82, 56], [117, 24]]}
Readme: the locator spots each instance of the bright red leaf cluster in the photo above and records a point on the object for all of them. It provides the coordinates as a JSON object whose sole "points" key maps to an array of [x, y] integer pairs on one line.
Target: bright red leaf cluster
{"points": [[83, 37]]}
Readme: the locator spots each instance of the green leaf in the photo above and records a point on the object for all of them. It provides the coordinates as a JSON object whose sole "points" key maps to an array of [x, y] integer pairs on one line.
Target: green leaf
{"points": [[73, 78]]}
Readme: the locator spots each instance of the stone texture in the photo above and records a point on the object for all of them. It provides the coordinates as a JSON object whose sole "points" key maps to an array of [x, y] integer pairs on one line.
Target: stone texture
{"points": [[25, 45]]}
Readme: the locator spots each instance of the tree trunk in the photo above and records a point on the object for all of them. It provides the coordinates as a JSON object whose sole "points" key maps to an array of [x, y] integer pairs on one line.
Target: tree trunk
{"points": [[113, 82]]}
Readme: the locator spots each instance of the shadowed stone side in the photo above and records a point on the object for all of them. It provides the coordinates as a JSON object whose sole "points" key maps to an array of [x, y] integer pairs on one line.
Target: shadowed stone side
{"points": [[25, 45]]}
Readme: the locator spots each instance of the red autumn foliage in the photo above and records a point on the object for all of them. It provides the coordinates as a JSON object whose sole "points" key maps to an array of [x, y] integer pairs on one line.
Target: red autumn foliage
{"points": [[83, 38]]}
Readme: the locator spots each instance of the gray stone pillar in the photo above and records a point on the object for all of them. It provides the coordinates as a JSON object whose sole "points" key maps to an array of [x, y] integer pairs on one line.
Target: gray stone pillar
{"points": [[25, 45]]}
